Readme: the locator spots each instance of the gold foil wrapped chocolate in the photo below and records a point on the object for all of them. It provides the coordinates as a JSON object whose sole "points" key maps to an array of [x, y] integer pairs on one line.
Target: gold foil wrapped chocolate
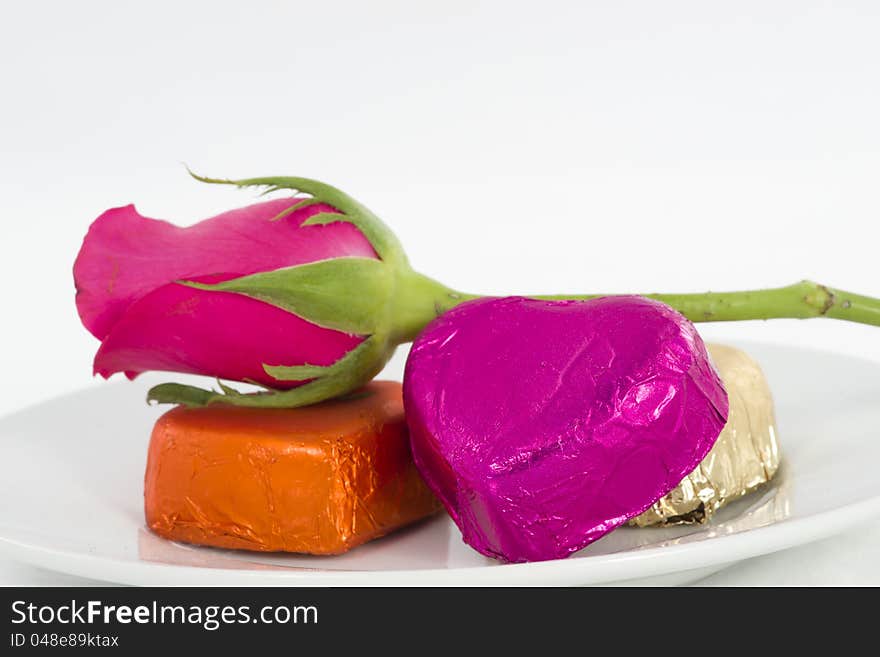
{"points": [[745, 456]]}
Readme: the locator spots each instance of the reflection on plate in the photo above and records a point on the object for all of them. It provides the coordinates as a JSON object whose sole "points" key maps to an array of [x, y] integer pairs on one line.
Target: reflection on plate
{"points": [[71, 476]]}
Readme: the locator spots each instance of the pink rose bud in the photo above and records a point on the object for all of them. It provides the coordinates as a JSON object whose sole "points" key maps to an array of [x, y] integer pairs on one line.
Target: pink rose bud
{"points": [[282, 293]]}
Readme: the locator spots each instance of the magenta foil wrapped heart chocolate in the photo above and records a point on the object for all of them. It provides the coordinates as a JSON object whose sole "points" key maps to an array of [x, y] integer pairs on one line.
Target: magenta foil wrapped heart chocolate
{"points": [[544, 425]]}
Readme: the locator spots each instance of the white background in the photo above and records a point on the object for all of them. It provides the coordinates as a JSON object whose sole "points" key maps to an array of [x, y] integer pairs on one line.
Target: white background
{"points": [[513, 147]]}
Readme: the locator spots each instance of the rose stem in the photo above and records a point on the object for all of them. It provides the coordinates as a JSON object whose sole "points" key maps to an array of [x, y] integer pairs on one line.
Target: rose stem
{"points": [[421, 299], [802, 300]]}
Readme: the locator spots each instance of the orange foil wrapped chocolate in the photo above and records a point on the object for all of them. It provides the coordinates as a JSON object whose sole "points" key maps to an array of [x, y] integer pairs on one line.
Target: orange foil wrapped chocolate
{"points": [[320, 479]]}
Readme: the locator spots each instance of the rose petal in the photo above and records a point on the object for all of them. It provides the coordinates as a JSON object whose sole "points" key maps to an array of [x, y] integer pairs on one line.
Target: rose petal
{"points": [[125, 255], [222, 334]]}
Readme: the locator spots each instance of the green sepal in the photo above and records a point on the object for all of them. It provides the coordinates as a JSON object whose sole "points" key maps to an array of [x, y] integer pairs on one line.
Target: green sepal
{"points": [[304, 203], [227, 389], [296, 372], [347, 374], [353, 360], [177, 393], [377, 233], [345, 294], [321, 219]]}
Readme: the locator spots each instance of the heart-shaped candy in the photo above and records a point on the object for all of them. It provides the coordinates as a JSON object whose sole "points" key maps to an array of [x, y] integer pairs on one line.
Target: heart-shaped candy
{"points": [[543, 425]]}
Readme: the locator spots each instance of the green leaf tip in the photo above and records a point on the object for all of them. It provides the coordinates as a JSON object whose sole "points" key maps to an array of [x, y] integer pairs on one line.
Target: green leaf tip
{"points": [[177, 393], [206, 179]]}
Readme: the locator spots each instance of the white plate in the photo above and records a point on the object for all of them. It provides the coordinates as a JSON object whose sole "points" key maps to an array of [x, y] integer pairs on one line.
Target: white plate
{"points": [[71, 475]]}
